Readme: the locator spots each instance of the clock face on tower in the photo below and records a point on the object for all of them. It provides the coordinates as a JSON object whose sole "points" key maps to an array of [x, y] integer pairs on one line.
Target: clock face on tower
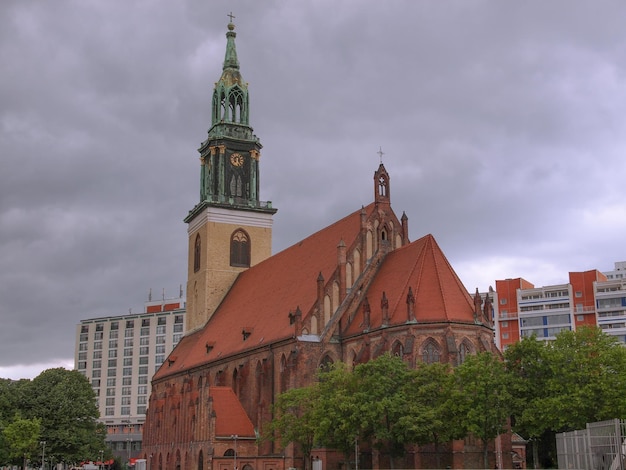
{"points": [[236, 159]]}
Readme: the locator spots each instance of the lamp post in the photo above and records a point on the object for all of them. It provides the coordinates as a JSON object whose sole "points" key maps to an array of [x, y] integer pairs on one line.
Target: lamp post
{"points": [[235, 436], [43, 454]]}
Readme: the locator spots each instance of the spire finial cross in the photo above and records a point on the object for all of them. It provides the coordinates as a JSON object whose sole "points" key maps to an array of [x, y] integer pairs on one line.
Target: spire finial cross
{"points": [[380, 154], [231, 16]]}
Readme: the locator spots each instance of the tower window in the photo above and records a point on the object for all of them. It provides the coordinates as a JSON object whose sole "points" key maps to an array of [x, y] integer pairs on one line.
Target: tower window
{"points": [[240, 249], [236, 185], [382, 186], [196, 254]]}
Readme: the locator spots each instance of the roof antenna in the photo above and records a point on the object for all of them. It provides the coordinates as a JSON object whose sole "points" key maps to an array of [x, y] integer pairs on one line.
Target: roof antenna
{"points": [[380, 154], [150, 295]]}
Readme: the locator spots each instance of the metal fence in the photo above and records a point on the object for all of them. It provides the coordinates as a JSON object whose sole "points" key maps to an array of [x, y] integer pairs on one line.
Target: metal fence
{"points": [[601, 446]]}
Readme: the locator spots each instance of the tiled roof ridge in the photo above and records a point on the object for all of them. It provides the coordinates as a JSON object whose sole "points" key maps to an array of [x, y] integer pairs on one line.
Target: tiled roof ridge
{"points": [[432, 243]]}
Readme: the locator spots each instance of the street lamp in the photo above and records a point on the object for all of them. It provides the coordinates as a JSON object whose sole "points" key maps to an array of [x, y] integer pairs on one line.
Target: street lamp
{"points": [[235, 436], [43, 454]]}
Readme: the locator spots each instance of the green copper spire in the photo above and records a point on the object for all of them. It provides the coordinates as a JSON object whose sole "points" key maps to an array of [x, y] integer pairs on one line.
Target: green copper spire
{"points": [[230, 97], [230, 157]]}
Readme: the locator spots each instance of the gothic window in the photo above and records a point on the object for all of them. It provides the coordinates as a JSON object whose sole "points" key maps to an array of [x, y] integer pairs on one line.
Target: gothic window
{"points": [[196, 254], [382, 185], [236, 185], [326, 363], [464, 351], [398, 349], [430, 353], [240, 249], [236, 105]]}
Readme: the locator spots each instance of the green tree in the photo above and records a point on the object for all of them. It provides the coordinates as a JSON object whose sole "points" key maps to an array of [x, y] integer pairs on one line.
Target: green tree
{"points": [[483, 405], [65, 403], [294, 419], [381, 402], [337, 410], [21, 438], [429, 416]]}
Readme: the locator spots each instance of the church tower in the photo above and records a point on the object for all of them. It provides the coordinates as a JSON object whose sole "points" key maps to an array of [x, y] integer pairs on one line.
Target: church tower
{"points": [[230, 229]]}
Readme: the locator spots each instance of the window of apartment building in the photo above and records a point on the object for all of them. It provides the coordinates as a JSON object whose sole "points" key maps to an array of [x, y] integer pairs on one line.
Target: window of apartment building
{"points": [[129, 333], [505, 324], [142, 400], [82, 347], [98, 335], [144, 341], [142, 390], [143, 379], [126, 410], [178, 328], [109, 411], [100, 327], [111, 372], [127, 371], [505, 336], [95, 373], [110, 391], [112, 344], [161, 330], [97, 354], [130, 324], [578, 293], [557, 306], [82, 364], [580, 318], [159, 359], [125, 400], [161, 321], [84, 337], [143, 370], [502, 301], [97, 364], [557, 293], [615, 302], [145, 331], [112, 363], [178, 319], [128, 361], [82, 356], [128, 352], [127, 381], [176, 338], [114, 325], [110, 401], [160, 349], [125, 390], [95, 383], [128, 342], [112, 353], [144, 350], [113, 334], [111, 382], [96, 392], [145, 322], [97, 345], [141, 410], [84, 329], [143, 360], [160, 340]]}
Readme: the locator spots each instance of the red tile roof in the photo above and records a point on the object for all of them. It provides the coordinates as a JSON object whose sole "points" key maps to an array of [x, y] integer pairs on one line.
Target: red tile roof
{"points": [[230, 417], [262, 297], [439, 293]]}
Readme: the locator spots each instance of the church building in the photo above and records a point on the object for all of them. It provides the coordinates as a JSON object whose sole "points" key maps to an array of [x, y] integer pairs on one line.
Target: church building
{"points": [[260, 324]]}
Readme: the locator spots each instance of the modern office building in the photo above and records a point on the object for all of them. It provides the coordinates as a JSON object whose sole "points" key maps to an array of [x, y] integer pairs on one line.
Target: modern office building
{"points": [[589, 298], [119, 355]]}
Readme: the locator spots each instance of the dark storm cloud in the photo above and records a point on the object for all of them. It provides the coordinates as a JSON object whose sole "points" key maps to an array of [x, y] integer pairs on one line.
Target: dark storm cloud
{"points": [[502, 126]]}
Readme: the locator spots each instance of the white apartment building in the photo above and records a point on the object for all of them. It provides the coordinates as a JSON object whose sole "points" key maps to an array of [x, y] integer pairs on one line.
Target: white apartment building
{"points": [[611, 306], [119, 355]]}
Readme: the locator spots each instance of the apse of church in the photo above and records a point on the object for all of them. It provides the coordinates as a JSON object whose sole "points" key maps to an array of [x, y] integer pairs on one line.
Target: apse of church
{"points": [[260, 324]]}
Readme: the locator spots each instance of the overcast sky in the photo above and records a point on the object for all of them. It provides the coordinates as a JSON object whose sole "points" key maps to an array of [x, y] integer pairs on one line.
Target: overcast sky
{"points": [[503, 126]]}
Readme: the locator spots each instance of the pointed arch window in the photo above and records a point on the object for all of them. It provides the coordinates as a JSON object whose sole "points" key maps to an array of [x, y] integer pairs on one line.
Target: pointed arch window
{"points": [[236, 185], [464, 351], [240, 249], [197, 250], [430, 353], [236, 105], [398, 349], [382, 185]]}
